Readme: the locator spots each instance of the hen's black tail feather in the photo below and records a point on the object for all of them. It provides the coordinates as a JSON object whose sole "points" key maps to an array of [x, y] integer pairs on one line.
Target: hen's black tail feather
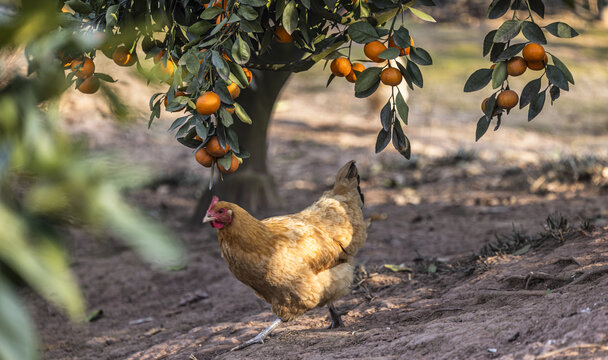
{"points": [[349, 171]]}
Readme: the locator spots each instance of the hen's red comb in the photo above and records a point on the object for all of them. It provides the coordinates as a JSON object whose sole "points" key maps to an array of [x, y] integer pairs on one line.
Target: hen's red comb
{"points": [[213, 202]]}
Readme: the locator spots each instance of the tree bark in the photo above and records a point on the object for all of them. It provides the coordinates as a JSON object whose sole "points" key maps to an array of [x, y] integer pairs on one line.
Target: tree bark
{"points": [[252, 186]]}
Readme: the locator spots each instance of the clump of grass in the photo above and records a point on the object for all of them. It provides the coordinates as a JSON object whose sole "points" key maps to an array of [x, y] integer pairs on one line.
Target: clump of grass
{"points": [[572, 168]]}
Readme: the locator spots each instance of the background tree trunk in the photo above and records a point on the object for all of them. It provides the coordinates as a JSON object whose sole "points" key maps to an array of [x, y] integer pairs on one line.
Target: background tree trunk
{"points": [[252, 186]]}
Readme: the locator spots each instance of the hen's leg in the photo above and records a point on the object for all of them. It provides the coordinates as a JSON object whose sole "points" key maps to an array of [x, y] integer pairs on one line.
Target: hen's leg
{"points": [[336, 317], [259, 339]]}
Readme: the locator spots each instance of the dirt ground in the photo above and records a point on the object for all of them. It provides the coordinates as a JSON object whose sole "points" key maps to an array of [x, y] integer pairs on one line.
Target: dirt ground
{"points": [[538, 291]]}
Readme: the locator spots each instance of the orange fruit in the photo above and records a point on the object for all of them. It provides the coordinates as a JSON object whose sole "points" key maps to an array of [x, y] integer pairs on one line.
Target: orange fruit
{"points": [[483, 106], [391, 76], [352, 77], [214, 148], [177, 93], [166, 70], [158, 57], [217, 3], [538, 65], [208, 103], [122, 56], [234, 90], [83, 68], [406, 51], [282, 36], [507, 99], [230, 110], [90, 85], [373, 49], [203, 158], [340, 67], [248, 74], [234, 165], [516, 66], [533, 52]]}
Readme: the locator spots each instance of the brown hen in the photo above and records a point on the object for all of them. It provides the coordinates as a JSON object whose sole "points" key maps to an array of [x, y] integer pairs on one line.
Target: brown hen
{"points": [[300, 261]]}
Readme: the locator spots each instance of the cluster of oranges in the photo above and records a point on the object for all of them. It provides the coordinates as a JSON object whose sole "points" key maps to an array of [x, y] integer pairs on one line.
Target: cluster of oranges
{"points": [[83, 68], [534, 58], [208, 155], [391, 76]]}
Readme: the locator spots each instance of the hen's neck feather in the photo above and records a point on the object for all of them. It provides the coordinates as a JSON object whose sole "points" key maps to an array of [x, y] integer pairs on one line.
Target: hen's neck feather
{"points": [[244, 231]]}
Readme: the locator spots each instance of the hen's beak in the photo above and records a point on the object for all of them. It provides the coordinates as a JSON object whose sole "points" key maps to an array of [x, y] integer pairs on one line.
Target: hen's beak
{"points": [[207, 218]]}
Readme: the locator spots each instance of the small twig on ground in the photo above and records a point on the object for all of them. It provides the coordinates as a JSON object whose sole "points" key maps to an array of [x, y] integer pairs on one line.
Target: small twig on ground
{"points": [[581, 346], [587, 274]]}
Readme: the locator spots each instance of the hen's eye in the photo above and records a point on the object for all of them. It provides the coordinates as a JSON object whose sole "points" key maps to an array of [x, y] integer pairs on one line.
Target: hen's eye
{"points": [[221, 211]]}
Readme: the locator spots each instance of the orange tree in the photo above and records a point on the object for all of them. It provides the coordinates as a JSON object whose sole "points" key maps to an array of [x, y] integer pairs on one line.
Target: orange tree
{"points": [[204, 51]]}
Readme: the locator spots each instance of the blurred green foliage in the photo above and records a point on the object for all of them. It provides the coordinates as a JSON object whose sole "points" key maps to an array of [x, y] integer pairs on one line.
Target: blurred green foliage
{"points": [[47, 182]]}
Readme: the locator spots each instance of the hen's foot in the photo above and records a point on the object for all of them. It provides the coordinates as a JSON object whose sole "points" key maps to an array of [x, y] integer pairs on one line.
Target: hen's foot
{"points": [[336, 317], [259, 338]]}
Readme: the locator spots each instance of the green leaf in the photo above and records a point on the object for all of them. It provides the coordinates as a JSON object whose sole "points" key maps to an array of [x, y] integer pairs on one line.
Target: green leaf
{"points": [[362, 32], [498, 8], [178, 122], [104, 77], [367, 78], [290, 17], [252, 27], [112, 16], [561, 29], [201, 129], [80, 6], [422, 15], [482, 127], [401, 37], [240, 50], [405, 74], [389, 54], [384, 137], [507, 31], [210, 12], [557, 77], [490, 106], [200, 27], [220, 65], [226, 117], [414, 73], [254, 3], [522, 250], [247, 12], [478, 80], [497, 49], [538, 7], [221, 89], [554, 92], [368, 92], [242, 114], [398, 268], [385, 116], [536, 106], [510, 52], [226, 160], [488, 41], [420, 56], [534, 33], [233, 140], [17, 335], [400, 142], [560, 65], [529, 92], [499, 75], [402, 108], [237, 75]]}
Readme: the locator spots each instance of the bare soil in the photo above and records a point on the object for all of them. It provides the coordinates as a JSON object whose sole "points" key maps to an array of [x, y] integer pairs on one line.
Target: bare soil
{"points": [[430, 216]]}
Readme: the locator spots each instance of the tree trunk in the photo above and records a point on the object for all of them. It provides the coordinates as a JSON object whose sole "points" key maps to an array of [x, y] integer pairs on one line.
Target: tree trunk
{"points": [[252, 186]]}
